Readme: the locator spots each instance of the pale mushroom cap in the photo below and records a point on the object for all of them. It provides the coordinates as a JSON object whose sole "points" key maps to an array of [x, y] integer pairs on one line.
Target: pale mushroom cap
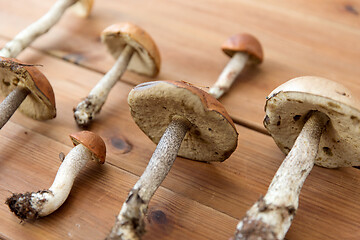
{"points": [[289, 105], [83, 7], [91, 141], [40, 103], [146, 59], [244, 42], [212, 136]]}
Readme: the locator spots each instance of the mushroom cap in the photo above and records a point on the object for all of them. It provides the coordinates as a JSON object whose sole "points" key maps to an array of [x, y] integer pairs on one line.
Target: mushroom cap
{"points": [[91, 141], [288, 107], [146, 58], [212, 135], [83, 7], [244, 42], [40, 102]]}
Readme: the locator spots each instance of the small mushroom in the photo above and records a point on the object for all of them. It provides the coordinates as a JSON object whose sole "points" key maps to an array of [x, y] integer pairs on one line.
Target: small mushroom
{"points": [[26, 88], [32, 205], [242, 48], [184, 121], [319, 121], [134, 50]]}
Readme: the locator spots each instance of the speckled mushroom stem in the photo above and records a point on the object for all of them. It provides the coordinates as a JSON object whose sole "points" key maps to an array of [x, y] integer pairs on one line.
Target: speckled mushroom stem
{"points": [[271, 216], [86, 110], [229, 74], [32, 205], [9, 105], [130, 223], [41, 26]]}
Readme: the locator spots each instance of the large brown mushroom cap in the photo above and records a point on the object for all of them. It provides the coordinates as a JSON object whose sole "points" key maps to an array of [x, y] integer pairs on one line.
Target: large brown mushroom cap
{"points": [[40, 103], [91, 141], [146, 59], [212, 136], [244, 43], [289, 105], [83, 7]]}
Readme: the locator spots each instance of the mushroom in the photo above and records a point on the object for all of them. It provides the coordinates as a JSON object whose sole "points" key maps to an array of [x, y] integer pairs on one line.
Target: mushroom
{"points": [[26, 88], [243, 49], [42, 25], [134, 50], [184, 121], [313, 121], [32, 205]]}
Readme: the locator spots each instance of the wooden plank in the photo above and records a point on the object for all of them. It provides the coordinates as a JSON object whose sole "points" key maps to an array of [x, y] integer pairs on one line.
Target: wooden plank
{"points": [[230, 187], [189, 35], [29, 162]]}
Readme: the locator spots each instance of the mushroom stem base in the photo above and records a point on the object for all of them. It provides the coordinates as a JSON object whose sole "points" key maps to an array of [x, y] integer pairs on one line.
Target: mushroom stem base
{"points": [[11, 103], [271, 216], [229, 74], [86, 110], [130, 223]]}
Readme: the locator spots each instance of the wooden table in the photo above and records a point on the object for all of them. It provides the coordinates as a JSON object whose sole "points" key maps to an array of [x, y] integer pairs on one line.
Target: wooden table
{"points": [[197, 200]]}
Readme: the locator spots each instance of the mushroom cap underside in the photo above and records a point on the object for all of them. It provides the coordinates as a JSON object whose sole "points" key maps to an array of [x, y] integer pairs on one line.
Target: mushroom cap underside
{"points": [[40, 102], [83, 7], [246, 43], [91, 141], [212, 135], [289, 106], [146, 58]]}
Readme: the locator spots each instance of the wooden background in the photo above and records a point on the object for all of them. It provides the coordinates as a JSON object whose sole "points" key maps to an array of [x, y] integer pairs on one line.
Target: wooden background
{"points": [[197, 200]]}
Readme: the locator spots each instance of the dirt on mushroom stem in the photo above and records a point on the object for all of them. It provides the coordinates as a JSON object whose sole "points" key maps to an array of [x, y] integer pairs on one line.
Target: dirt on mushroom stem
{"points": [[272, 215], [130, 223]]}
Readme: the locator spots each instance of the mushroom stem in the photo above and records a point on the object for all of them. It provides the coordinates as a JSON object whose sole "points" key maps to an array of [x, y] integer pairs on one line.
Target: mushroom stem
{"points": [[130, 223], [32, 205], [229, 74], [271, 216], [9, 105], [86, 110], [41, 26]]}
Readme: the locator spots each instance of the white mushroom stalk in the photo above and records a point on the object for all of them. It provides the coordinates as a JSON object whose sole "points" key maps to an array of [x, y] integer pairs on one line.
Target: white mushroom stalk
{"points": [[32, 205], [229, 74], [41, 26], [88, 108], [130, 223], [271, 216], [9, 105]]}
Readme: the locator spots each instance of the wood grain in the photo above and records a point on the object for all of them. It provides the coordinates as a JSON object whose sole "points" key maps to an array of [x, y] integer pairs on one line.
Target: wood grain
{"points": [[197, 200], [297, 39]]}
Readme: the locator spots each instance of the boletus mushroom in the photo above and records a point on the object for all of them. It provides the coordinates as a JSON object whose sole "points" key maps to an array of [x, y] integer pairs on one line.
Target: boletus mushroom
{"points": [[43, 25], [26, 88], [183, 120], [313, 121], [134, 50], [243, 49], [32, 205]]}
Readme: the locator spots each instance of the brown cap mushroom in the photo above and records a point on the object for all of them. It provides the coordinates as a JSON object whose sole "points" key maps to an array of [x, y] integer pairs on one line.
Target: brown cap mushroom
{"points": [[41, 26], [32, 205], [91, 141], [24, 84], [83, 7], [314, 121], [242, 48], [184, 121], [135, 50]]}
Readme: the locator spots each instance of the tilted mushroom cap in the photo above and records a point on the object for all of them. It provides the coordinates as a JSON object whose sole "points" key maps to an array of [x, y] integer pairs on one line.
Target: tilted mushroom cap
{"points": [[146, 59], [91, 141], [40, 103], [289, 106], [244, 43], [83, 7], [212, 136]]}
